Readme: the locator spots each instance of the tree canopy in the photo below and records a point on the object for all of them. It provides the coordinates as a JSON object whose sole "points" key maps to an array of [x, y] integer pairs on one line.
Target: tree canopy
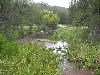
{"points": [[49, 19]]}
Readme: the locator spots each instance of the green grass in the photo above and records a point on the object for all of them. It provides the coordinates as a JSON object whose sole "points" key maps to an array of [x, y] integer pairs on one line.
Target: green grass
{"points": [[27, 59], [83, 52]]}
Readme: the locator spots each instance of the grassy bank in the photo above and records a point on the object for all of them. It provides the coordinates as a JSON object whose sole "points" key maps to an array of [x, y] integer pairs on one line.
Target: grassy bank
{"points": [[82, 51], [26, 59]]}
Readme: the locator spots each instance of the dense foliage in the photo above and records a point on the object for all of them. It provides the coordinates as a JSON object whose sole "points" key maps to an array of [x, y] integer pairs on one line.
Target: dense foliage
{"points": [[26, 58], [49, 20], [19, 18], [62, 12], [15, 14], [85, 12], [83, 54]]}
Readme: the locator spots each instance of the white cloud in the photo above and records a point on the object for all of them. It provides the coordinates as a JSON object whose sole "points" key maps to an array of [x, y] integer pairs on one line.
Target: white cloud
{"points": [[62, 3]]}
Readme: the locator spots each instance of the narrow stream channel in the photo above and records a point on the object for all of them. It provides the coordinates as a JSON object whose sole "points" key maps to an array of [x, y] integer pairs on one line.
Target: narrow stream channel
{"points": [[61, 48]]}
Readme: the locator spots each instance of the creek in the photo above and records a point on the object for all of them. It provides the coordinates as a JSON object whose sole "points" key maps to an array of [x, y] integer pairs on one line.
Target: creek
{"points": [[60, 48]]}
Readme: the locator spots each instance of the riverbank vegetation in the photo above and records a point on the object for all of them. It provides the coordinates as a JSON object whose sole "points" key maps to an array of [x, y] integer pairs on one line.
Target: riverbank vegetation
{"points": [[18, 14], [82, 53], [28, 58], [20, 18], [85, 44]]}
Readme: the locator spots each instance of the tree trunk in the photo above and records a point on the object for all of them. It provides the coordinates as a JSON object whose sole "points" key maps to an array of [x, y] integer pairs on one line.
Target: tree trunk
{"points": [[1, 16]]}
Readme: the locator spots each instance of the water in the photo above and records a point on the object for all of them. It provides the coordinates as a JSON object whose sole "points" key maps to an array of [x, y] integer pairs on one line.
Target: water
{"points": [[62, 26], [60, 48]]}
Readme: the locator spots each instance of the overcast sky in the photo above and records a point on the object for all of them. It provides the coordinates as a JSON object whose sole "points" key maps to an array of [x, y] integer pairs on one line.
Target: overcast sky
{"points": [[62, 3]]}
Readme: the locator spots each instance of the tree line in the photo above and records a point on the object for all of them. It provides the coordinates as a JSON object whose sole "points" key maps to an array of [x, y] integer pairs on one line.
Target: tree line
{"points": [[15, 14], [85, 13]]}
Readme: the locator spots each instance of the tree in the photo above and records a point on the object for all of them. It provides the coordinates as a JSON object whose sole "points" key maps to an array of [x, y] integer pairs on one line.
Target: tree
{"points": [[86, 13], [33, 16], [49, 19], [62, 12]]}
